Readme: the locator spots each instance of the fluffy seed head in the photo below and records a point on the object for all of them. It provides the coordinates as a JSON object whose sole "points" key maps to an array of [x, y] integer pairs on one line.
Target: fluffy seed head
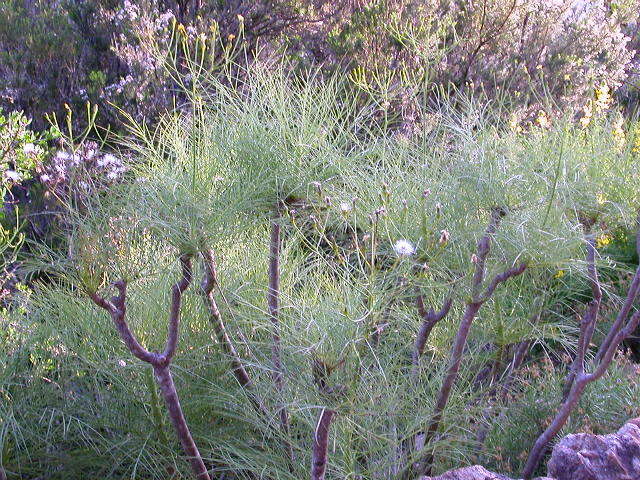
{"points": [[403, 248]]}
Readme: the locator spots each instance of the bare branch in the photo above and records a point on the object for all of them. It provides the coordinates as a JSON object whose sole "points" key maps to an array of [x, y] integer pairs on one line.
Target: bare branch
{"points": [[209, 282], [588, 322], [176, 299], [608, 356], [118, 315], [482, 250], [579, 379], [471, 310], [321, 445], [168, 389], [103, 303], [501, 278], [117, 309], [429, 319], [273, 303]]}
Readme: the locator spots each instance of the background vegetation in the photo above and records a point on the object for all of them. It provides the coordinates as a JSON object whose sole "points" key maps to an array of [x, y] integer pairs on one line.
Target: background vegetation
{"points": [[379, 138]]}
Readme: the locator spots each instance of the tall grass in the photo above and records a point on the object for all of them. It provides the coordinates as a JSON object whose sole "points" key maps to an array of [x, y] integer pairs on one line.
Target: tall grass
{"points": [[76, 404]]}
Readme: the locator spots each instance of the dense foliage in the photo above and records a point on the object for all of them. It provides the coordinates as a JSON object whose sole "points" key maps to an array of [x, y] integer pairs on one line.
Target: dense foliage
{"points": [[109, 51], [361, 239]]}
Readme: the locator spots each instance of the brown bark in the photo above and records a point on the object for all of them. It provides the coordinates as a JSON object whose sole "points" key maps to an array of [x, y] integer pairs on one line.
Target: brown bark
{"points": [[116, 307], [170, 395], [209, 282], [273, 304], [321, 445], [588, 322], [478, 298], [578, 379], [429, 320]]}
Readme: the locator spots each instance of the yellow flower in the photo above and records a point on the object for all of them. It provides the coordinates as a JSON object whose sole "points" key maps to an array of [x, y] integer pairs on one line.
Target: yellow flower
{"points": [[559, 274], [601, 198], [603, 240], [636, 141], [514, 124], [603, 97], [567, 77]]}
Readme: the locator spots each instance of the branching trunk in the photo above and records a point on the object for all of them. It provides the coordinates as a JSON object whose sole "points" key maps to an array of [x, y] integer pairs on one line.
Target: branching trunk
{"points": [[160, 362], [170, 395], [429, 320], [588, 322], [578, 379], [321, 445], [478, 298]]}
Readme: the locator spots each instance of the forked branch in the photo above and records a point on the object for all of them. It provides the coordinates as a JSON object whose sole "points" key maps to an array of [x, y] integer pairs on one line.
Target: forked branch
{"points": [[588, 322], [429, 320], [578, 379], [160, 362], [478, 298]]}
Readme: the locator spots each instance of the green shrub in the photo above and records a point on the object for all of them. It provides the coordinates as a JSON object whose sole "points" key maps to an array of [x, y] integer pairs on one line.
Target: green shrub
{"points": [[369, 220]]}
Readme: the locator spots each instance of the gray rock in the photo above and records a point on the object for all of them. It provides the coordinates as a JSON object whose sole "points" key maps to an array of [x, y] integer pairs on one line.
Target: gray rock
{"points": [[476, 472], [585, 456]]}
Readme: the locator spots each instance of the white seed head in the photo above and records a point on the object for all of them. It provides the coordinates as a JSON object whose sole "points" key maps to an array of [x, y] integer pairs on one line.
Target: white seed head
{"points": [[404, 248]]}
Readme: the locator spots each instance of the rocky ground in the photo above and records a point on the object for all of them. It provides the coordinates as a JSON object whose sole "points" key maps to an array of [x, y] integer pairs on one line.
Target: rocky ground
{"points": [[581, 456]]}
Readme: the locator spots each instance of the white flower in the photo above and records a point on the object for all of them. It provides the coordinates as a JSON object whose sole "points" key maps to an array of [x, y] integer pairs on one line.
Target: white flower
{"points": [[109, 159], [122, 363], [404, 248], [12, 175], [345, 207], [45, 178], [30, 148], [62, 155], [112, 175]]}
